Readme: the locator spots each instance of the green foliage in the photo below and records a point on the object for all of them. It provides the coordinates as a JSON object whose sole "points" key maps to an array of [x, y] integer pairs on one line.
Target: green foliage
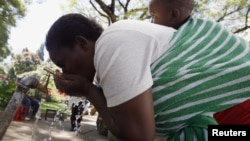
{"points": [[109, 12], [11, 74], [234, 14], [63, 114], [60, 107], [7, 88], [2, 68], [137, 13], [26, 62], [54, 98], [53, 105], [10, 12], [38, 95], [231, 13]]}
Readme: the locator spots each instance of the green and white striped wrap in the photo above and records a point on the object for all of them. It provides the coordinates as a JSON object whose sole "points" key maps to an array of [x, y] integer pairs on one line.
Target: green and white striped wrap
{"points": [[205, 70]]}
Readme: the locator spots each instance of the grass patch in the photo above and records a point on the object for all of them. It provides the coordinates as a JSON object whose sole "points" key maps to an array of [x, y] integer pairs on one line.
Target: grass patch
{"points": [[53, 105], [48, 105]]}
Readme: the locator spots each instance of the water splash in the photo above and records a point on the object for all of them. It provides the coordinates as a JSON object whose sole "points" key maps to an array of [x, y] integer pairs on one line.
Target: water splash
{"points": [[57, 123], [34, 129], [77, 125]]}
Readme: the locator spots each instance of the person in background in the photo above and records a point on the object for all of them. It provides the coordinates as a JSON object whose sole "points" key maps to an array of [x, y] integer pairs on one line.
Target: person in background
{"points": [[30, 102], [177, 14], [150, 85], [76, 114]]}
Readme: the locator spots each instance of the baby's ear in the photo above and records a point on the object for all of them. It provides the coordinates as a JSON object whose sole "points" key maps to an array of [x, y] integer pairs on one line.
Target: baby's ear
{"points": [[175, 14]]}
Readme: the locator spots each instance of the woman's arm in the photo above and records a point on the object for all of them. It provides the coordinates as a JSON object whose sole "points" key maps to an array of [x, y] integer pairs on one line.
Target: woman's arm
{"points": [[130, 121]]}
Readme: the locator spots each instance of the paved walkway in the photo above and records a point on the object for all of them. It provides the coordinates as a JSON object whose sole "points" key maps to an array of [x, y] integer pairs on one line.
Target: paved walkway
{"points": [[47, 130]]}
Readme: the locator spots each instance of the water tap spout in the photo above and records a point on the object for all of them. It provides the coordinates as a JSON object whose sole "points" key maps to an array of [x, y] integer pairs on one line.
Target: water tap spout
{"points": [[31, 82], [23, 86]]}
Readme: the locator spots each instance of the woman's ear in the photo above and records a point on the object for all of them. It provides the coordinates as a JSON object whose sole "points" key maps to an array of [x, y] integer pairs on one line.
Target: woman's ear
{"points": [[81, 41]]}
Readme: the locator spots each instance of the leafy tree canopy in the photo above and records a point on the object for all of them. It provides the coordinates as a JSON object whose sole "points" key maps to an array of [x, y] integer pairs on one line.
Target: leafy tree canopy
{"points": [[234, 14], [26, 62], [10, 12]]}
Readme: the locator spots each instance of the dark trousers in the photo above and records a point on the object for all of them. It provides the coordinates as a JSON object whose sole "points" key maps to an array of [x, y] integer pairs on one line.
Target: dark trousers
{"points": [[73, 121], [31, 102]]}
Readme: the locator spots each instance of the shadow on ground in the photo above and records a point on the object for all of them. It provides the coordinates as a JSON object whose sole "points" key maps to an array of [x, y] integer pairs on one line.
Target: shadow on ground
{"points": [[48, 130]]}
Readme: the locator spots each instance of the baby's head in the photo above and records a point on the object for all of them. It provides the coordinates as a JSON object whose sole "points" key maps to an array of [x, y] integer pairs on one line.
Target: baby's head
{"points": [[171, 13]]}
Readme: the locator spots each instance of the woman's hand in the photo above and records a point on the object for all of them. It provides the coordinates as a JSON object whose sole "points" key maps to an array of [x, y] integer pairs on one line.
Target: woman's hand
{"points": [[72, 84]]}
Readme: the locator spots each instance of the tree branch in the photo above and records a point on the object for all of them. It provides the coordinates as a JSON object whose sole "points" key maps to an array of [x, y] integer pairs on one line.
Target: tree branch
{"points": [[246, 23], [227, 14], [107, 10], [241, 29], [246, 18], [125, 7], [122, 5], [97, 9], [112, 6]]}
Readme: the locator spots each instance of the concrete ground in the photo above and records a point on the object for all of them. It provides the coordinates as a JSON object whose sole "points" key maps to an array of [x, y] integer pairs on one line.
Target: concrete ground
{"points": [[48, 130]]}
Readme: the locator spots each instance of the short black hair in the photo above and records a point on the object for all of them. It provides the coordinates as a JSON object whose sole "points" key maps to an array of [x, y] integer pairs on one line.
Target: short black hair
{"points": [[67, 27]]}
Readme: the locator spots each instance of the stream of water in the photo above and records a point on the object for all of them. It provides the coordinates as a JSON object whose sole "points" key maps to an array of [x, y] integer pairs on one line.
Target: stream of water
{"points": [[55, 124]]}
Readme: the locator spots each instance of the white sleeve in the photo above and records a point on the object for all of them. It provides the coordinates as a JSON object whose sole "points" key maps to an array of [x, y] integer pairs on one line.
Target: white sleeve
{"points": [[123, 65]]}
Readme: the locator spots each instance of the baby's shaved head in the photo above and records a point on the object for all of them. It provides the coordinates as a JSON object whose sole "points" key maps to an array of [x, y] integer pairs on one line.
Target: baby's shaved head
{"points": [[171, 13], [188, 5]]}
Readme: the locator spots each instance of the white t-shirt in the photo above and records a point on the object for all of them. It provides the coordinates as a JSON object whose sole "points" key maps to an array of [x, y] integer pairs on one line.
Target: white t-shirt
{"points": [[123, 55]]}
